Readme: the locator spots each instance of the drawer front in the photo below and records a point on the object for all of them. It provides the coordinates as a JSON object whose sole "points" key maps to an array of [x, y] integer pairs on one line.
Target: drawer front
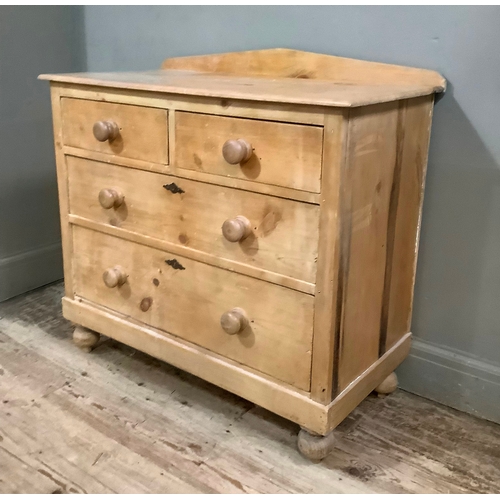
{"points": [[284, 154], [283, 237], [187, 299], [142, 131]]}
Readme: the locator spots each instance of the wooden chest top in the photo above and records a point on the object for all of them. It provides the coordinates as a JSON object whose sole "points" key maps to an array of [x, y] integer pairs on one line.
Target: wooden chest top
{"points": [[276, 75]]}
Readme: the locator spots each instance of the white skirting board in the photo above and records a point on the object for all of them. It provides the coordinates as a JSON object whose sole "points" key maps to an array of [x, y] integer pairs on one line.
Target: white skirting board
{"points": [[28, 270], [453, 379]]}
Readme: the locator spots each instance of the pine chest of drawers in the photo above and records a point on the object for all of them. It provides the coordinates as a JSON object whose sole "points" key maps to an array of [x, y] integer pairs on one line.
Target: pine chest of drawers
{"points": [[251, 218]]}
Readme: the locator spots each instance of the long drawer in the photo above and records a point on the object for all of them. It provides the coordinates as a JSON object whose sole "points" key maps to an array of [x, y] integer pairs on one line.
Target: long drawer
{"points": [[141, 131], [190, 299], [283, 234], [281, 154]]}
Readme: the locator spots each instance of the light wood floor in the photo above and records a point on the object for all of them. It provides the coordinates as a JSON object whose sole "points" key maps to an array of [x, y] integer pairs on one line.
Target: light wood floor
{"points": [[117, 420]]}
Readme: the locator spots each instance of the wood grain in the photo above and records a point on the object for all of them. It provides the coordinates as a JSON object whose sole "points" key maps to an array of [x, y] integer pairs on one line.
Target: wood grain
{"points": [[391, 224], [371, 154], [246, 185], [325, 341], [284, 233], [280, 112], [284, 154], [62, 188], [287, 63], [206, 258], [72, 454], [188, 299], [270, 90], [143, 131], [406, 224], [360, 387]]}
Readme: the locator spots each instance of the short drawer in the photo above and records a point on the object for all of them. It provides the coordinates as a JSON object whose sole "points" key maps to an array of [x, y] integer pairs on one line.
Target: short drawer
{"points": [[282, 238], [124, 130], [281, 154], [269, 327]]}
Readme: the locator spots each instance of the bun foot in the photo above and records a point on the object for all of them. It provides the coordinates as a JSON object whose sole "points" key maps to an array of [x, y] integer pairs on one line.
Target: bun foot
{"points": [[388, 385], [85, 339], [314, 446]]}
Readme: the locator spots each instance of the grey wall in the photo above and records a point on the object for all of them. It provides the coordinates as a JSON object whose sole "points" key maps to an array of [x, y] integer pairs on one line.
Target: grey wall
{"points": [[33, 40]]}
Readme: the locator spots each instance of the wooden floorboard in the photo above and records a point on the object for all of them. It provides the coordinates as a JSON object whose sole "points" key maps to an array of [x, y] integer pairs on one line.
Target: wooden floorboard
{"points": [[117, 420]]}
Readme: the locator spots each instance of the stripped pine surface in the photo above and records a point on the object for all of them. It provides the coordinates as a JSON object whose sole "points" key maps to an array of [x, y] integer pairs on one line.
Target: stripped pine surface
{"points": [[120, 421]]}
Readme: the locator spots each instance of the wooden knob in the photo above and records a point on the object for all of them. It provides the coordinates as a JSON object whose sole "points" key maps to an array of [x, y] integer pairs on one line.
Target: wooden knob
{"points": [[110, 198], [234, 321], [115, 276], [236, 229], [105, 130], [236, 151]]}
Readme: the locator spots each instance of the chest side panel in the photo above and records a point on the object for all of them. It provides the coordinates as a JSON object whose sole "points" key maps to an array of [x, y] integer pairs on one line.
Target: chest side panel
{"points": [[371, 159], [404, 225]]}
